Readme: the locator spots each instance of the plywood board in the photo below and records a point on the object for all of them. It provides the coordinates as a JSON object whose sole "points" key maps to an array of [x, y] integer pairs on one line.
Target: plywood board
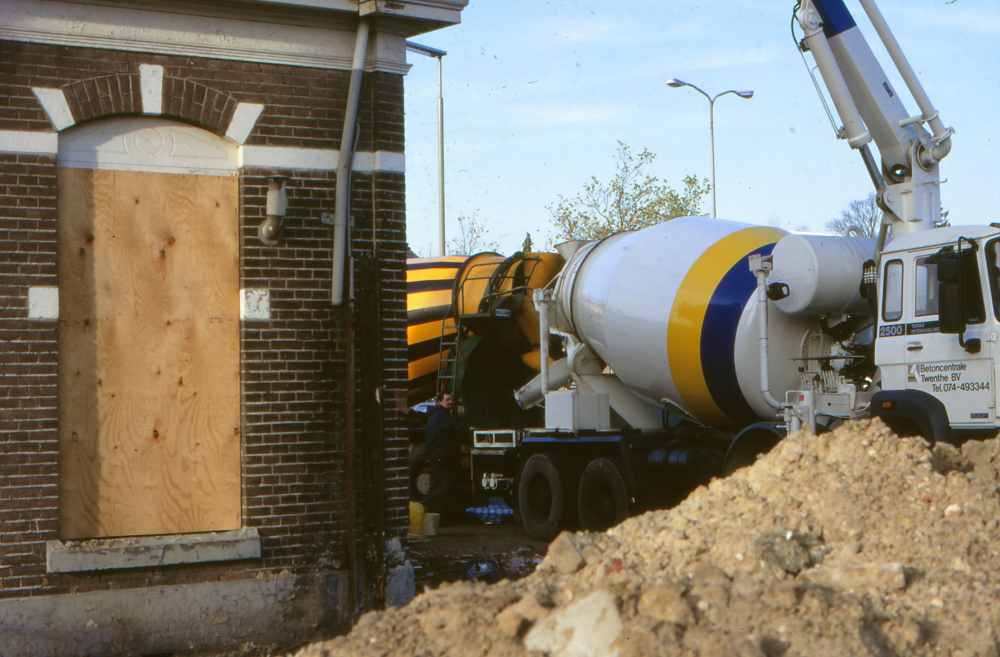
{"points": [[149, 353]]}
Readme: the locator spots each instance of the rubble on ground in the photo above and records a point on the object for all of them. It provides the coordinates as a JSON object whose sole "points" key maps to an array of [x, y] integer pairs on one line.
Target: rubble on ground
{"points": [[854, 542]]}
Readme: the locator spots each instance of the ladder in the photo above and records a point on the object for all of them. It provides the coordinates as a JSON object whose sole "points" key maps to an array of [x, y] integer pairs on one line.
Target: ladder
{"points": [[493, 296]]}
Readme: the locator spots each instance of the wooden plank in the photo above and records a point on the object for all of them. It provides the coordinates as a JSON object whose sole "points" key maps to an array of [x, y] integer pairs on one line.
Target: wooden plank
{"points": [[166, 455], [79, 451]]}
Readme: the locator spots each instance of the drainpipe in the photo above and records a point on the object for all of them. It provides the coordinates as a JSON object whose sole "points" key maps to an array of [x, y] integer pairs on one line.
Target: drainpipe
{"points": [[343, 191], [342, 196], [760, 266], [543, 299]]}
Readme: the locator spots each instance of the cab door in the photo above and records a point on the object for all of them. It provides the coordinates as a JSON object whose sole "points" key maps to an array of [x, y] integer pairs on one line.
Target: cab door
{"points": [[991, 264], [889, 347], [936, 363]]}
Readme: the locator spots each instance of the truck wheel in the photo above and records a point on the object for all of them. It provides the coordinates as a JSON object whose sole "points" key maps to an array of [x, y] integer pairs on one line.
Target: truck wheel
{"points": [[547, 495], [603, 501], [420, 474], [749, 445]]}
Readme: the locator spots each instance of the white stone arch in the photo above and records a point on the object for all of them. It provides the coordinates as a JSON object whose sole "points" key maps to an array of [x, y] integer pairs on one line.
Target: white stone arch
{"points": [[147, 143]]}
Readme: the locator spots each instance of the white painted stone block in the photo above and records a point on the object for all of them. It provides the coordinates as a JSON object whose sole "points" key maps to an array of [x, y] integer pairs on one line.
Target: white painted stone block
{"points": [[18, 141], [379, 161], [151, 80], [320, 159], [54, 103], [255, 304], [43, 302], [244, 119]]}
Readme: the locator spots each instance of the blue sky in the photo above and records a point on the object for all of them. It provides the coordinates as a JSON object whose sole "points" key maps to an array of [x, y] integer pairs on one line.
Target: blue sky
{"points": [[538, 93]]}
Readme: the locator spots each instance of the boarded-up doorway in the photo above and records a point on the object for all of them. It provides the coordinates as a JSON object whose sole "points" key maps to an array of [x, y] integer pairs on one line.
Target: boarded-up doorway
{"points": [[149, 402]]}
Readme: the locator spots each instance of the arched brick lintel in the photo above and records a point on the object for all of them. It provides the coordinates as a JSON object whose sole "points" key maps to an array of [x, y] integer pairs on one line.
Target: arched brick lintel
{"points": [[183, 100]]}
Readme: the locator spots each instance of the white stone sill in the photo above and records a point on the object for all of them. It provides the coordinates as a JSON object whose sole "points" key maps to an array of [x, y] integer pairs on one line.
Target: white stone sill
{"points": [[149, 551]]}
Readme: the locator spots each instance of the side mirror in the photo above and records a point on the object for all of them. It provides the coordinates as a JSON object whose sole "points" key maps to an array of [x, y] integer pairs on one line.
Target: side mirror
{"points": [[948, 268], [950, 316]]}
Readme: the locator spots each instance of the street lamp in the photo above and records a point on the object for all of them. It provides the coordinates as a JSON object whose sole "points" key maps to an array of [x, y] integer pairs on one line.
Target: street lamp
{"points": [[676, 84], [427, 51]]}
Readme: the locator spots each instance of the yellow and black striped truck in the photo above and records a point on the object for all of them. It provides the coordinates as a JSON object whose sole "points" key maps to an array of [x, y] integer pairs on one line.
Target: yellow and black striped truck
{"points": [[473, 331]]}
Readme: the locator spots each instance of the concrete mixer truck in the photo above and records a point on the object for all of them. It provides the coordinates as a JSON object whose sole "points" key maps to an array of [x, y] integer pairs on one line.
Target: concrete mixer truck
{"points": [[648, 339]]}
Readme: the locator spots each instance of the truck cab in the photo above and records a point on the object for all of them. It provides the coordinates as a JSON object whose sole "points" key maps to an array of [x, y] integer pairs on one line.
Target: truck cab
{"points": [[938, 325]]}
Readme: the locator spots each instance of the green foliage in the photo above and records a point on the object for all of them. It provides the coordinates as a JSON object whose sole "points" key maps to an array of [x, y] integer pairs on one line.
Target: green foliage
{"points": [[943, 222], [631, 201]]}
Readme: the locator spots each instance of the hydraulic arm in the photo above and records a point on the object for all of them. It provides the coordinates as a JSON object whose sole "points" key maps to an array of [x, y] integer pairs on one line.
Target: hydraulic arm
{"points": [[909, 182]]}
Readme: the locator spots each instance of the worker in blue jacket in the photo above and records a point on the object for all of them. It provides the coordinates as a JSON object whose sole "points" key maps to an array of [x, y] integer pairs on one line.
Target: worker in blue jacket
{"points": [[443, 449]]}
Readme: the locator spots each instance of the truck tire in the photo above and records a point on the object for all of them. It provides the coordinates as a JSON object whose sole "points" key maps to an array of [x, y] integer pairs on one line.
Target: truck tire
{"points": [[420, 473], [547, 495], [603, 499], [750, 444]]}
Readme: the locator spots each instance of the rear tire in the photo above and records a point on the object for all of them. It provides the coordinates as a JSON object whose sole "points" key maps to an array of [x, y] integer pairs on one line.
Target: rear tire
{"points": [[547, 495], [420, 473], [603, 499], [748, 448]]}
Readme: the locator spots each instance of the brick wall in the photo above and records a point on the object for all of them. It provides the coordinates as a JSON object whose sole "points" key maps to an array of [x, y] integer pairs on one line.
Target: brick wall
{"points": [[293, 378], [28, 443]]}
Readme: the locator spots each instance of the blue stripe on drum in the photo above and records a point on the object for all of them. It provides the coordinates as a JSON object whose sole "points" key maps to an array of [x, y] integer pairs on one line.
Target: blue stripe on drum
{"points": [[718, 338]]}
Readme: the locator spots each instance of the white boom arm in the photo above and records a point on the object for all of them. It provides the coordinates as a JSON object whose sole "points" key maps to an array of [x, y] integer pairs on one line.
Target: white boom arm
{"points": [[870, 109]]}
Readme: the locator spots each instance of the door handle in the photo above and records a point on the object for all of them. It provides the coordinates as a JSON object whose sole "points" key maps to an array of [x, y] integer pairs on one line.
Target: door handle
{"points": [[914, 346]]}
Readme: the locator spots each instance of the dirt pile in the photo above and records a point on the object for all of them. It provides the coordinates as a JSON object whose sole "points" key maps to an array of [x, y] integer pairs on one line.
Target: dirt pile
{"points": [[855, 542]]}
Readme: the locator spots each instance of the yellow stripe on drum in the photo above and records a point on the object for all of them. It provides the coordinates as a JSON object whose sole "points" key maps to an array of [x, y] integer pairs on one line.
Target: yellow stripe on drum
{"points": [[687, 317], [437, 274], [430, 331], [454, 259], [419, 300], [419, 368]]}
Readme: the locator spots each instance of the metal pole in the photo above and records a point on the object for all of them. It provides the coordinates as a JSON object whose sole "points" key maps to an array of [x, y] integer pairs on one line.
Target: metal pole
{"points": [[440, 161], [676, 84], [711, 132], [427, 51]]}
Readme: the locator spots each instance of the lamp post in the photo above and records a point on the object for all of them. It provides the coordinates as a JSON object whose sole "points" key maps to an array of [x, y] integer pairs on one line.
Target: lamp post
{"points": [[672, 82], [427, 51]]}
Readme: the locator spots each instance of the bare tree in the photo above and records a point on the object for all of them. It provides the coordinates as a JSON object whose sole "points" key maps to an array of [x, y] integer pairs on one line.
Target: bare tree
{"points": [[632, 200], [867, 215], [472, 239], [863, 213]]}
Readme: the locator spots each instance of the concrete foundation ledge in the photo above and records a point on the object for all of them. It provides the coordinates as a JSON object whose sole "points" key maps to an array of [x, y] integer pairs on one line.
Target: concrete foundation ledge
{"points": [[244, 615], [146, 551]]}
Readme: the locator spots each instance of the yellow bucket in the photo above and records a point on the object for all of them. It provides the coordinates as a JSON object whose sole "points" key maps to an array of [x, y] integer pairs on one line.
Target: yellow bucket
{"points": [[416, 519]]}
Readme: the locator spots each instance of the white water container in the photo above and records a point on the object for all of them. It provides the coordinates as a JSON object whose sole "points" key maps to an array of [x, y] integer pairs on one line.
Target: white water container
{"points": [[822, 272]]}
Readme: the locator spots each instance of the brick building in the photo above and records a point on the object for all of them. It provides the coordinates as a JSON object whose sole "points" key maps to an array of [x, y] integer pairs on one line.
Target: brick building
{"points": [[201, 432]]}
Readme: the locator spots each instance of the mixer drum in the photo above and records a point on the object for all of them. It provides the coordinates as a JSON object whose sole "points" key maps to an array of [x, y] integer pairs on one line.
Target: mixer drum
{"points": [[672, 311]]}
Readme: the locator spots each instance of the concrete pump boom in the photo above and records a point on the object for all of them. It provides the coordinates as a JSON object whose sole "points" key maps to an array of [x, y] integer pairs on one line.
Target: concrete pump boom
{"points": [[871, 109]]}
